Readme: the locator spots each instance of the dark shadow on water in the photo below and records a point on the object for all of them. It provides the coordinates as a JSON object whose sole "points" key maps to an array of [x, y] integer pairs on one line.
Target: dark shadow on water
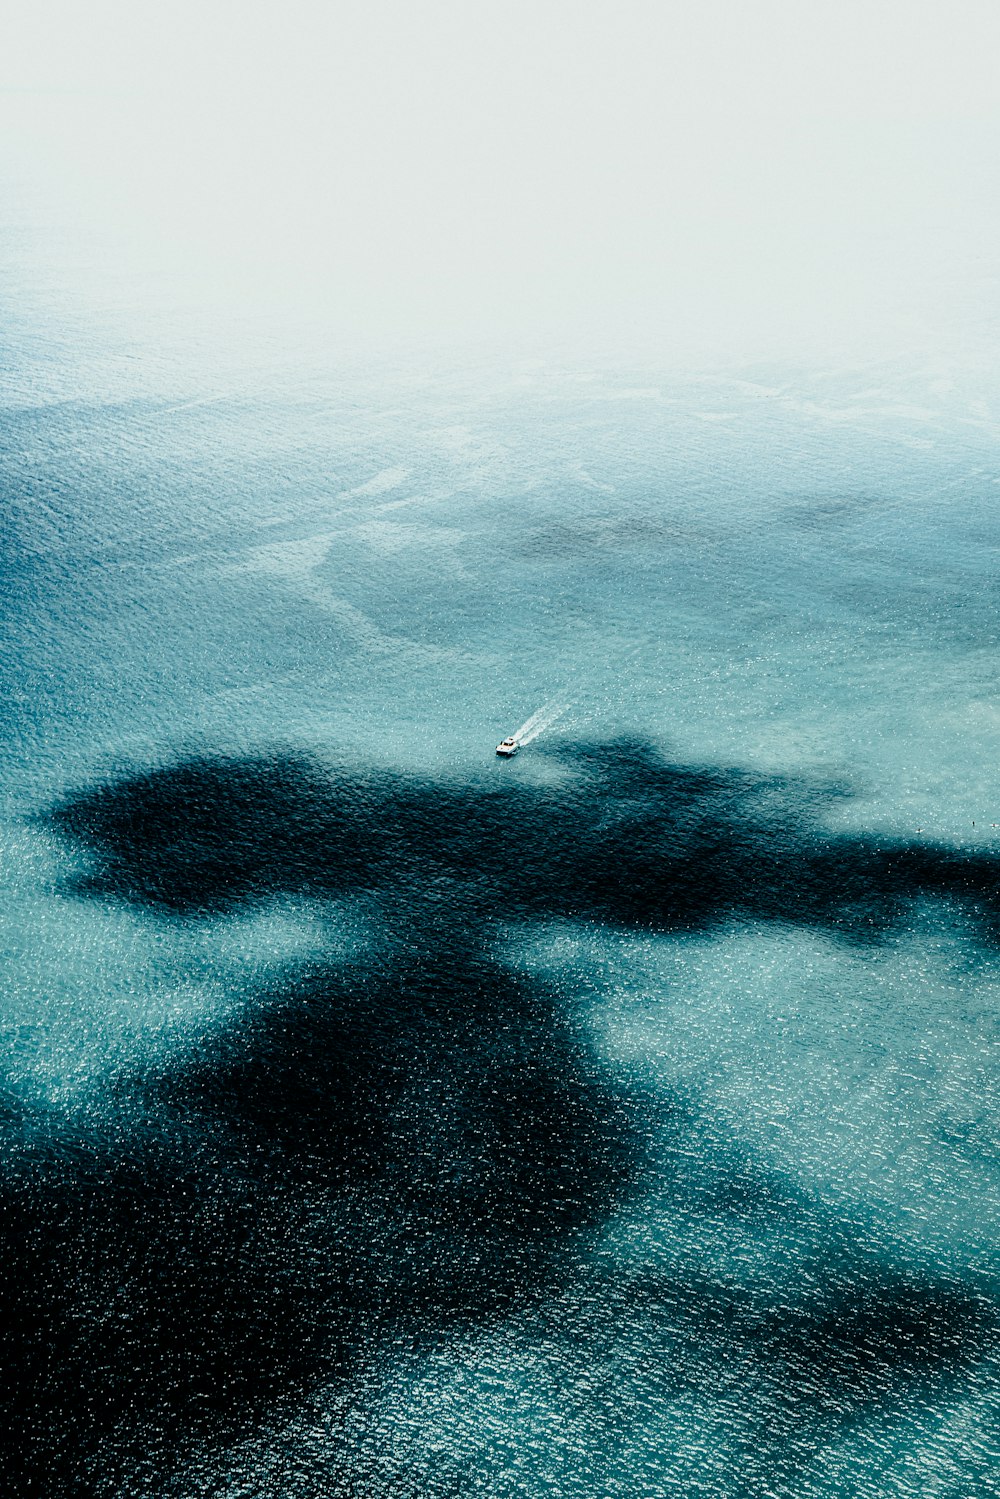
{"points": [[386, 1150], [629, 839], [807, 1365], [367, 1154]]}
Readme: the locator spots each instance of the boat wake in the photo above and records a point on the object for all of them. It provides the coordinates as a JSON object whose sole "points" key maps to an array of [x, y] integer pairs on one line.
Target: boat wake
{"points": [[539, 721]]}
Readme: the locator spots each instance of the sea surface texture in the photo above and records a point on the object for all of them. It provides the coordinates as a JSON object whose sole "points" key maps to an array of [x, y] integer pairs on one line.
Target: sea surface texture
{"points": [[383, 1119]]}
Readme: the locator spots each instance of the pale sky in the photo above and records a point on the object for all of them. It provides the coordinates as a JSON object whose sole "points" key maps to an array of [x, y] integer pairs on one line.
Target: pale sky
{"points": [[711, 171]]}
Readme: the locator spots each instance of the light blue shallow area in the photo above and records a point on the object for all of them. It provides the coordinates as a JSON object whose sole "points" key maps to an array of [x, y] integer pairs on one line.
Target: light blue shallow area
{"points": [[394, 564]]}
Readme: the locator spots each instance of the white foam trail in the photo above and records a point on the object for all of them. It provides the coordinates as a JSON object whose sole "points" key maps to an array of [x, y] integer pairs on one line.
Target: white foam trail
{"points": [[187, 405], [529, 723], [543, 719], [536, 717]]}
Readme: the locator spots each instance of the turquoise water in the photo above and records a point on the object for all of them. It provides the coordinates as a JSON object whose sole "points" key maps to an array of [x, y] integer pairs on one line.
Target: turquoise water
{"points": [[385, 1119]]}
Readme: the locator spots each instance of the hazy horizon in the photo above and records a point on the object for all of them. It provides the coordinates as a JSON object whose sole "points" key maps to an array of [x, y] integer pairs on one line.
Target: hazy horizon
{"points": [[703, 181]]}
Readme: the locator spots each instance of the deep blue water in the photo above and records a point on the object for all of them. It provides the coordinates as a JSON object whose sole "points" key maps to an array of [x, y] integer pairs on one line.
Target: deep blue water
{"points": [[384, 1119]]}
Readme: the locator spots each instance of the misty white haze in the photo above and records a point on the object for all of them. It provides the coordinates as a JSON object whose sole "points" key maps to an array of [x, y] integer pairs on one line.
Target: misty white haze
{"points": [[703, 178]]}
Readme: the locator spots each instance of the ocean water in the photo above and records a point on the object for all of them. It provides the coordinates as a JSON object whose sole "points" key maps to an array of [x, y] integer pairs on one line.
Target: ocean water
{"points": [[385, 1119]]}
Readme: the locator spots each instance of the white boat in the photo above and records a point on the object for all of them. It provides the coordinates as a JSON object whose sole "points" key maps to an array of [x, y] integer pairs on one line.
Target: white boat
{"points": [[508, 747]]}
